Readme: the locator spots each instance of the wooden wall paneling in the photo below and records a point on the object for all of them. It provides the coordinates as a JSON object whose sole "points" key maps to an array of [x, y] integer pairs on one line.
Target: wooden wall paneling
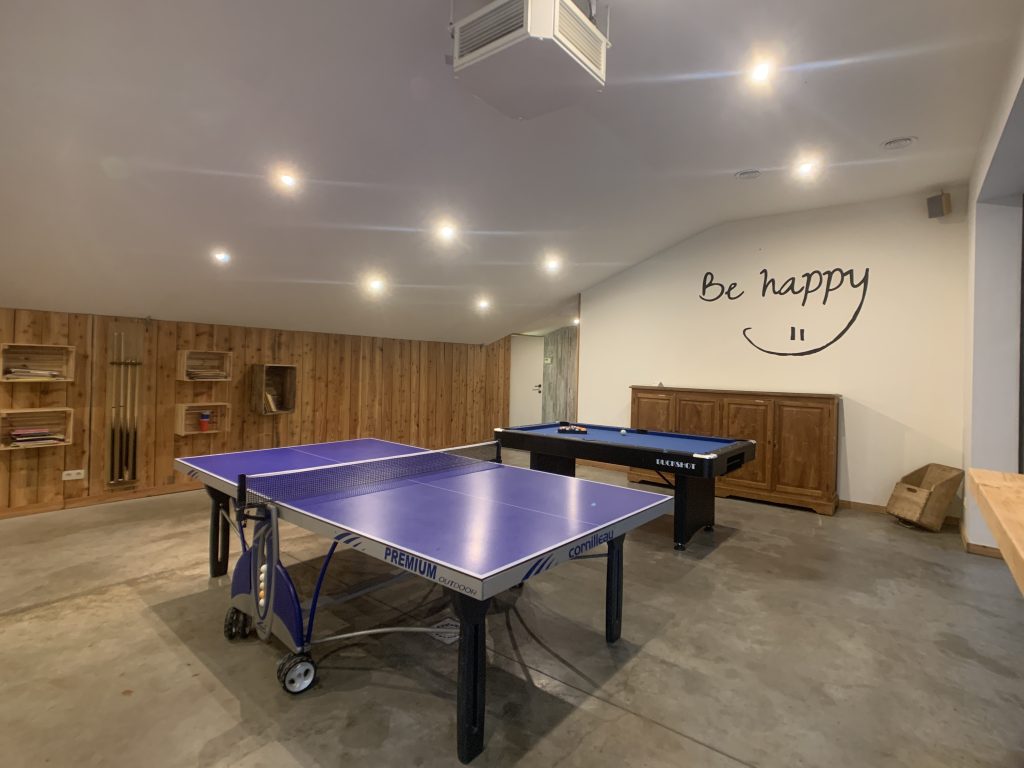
{"points": [[164, 402], [146, 452], [29, 328], [413, 383], [237, 392], [322, 367], [343, 390], [388, 421], [474, 371], [458, 434], [51, 460], [444, 395], [267, 424], [430, 396], [396, 363], [307, 389], [6, 395], [79, 395], [185, 392], [251, 426]]}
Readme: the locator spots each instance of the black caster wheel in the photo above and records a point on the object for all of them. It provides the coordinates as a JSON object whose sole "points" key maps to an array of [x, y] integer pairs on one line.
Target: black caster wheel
{"points": [[710, 527], [296, 671], [680, 547], [233, 623], [245, 629]]}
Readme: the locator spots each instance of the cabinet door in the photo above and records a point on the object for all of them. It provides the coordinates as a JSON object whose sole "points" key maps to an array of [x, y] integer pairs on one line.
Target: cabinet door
{"points": [[749, 418], [653, 411], [805, 447], [697, 414]]}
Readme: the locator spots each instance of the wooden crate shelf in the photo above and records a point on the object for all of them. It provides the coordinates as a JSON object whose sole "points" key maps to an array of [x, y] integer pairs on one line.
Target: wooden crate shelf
{"points": [[53, 363], [203, 365], [187, 421], [51, 426], [273, 389]]}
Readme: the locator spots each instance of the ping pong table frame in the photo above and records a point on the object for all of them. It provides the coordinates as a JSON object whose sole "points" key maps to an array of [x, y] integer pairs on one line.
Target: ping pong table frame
{"points": [[470, 596]]}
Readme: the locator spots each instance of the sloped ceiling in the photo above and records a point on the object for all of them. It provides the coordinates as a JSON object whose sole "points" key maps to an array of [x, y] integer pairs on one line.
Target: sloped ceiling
{"points": [[136, 135]]}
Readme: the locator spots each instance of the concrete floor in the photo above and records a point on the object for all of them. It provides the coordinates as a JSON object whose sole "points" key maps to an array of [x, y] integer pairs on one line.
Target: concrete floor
{"points": [[782, 639]]}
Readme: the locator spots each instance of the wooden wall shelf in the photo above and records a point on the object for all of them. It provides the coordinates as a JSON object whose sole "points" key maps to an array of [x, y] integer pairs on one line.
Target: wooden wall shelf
{"points": [[203, 365], [24, 428], [187, 418], [273, 389], [34, 363]]}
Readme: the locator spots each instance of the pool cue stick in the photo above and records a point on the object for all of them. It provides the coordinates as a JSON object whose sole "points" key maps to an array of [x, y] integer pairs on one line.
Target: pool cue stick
{"points": [[121, 411], [133, 456]]}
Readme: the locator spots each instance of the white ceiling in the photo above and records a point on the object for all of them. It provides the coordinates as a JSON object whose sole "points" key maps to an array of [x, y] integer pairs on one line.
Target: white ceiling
{"points": [[136, 134]]}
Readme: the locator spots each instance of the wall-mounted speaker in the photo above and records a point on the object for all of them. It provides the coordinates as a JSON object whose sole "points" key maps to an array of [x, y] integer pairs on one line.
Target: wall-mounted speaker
{"points": [[940, 205]]}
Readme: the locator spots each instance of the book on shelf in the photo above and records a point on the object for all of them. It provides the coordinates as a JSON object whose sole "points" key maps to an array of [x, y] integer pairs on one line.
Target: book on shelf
{"points": [[205, 375], [30, 373], [270, 401]]}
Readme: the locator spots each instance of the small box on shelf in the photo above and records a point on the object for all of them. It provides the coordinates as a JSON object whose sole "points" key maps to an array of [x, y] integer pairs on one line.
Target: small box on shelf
{"points": [[201, 418], [273, 389], [203, 365], [23, 428], [35, 363]]}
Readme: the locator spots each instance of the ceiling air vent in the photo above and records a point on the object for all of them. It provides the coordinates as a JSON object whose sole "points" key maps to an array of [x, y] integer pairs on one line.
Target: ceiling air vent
{"points": [[529, 57]]}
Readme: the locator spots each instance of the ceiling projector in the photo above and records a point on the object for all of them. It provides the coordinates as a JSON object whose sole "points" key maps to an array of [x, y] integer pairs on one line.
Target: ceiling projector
{"points": [[529, 57]]}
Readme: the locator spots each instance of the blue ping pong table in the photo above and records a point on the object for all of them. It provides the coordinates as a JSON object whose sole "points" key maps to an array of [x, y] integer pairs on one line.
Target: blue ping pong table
{"points": [[456, 517]]}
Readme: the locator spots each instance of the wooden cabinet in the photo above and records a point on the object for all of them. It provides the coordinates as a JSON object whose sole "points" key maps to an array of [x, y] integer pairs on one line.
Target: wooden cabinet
{"points": [[653, 411], [796, 435]]}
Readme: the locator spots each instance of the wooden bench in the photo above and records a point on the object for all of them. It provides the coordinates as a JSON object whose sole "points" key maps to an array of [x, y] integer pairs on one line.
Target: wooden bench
{"points": [[1000, 496]]}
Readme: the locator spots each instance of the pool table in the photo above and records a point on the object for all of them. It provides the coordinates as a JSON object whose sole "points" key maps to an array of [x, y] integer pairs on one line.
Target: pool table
{"points": [[688, 462]]}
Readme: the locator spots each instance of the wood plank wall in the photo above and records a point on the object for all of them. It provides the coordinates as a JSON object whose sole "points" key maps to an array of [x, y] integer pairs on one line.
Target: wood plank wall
{"points": [[430, 394]]}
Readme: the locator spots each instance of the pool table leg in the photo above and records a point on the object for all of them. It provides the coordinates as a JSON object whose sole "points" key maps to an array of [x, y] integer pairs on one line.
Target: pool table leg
{"points": [[694, 507], [556, 465]]}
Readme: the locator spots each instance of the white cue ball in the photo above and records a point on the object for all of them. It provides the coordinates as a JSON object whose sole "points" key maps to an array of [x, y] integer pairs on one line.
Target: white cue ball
{"points": [[622, 431]]}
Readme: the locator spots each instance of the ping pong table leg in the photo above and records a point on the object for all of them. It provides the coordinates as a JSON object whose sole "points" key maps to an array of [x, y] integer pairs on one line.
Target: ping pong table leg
{"points": [[220, 531], [613, 591], [471, 695], [694, 507]]}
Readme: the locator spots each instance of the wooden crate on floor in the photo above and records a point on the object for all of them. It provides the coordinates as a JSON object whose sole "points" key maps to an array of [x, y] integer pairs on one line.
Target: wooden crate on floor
{"points": [[923, 497]]}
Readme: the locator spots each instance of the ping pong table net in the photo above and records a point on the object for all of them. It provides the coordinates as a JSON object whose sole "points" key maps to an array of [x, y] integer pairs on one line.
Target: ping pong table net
{"points": [[340, 481]]}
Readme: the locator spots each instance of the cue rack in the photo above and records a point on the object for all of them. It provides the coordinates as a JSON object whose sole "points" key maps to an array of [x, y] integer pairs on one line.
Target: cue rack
{"points": [[124, 351]]}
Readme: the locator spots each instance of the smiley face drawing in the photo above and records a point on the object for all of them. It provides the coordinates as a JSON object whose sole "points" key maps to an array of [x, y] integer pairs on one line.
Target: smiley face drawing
{"points": [[813, 289]]}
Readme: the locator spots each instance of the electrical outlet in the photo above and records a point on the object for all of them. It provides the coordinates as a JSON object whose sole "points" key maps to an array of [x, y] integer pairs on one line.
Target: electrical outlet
{"points": [[73, 474]]}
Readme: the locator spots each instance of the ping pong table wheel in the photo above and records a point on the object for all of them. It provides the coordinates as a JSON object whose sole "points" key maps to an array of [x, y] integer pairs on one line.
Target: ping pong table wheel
{"points": [[296, 672], [237, 625]]}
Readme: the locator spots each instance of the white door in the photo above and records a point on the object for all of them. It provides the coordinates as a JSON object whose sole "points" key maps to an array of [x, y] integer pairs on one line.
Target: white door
{"points": [[525, 379]]}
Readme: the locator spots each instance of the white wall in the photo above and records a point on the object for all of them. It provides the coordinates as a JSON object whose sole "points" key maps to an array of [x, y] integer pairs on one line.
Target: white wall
{"points": [[994, 372], [899, 368], [991, 400]]}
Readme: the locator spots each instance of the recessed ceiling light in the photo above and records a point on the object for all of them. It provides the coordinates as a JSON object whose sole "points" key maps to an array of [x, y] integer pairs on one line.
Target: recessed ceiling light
{"points": [[552, 263], [575, 321], [807, 168], [900, 142], [761, 70], [221, 256], [483, 303], [285, 179], [375, 285], [749, 174], [446, 231]]}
